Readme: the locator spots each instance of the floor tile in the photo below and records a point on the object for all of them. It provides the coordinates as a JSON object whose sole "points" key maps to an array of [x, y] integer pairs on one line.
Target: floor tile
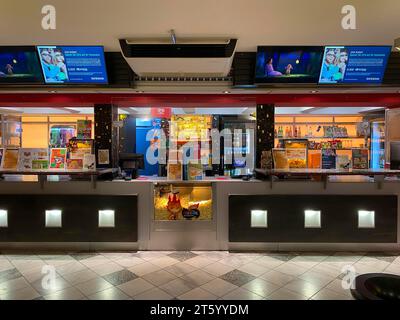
{"points": [[242, 294], [154, 294], [150, 255], [393, 268], [268, 262], [80, 276], [285, 294], [70, 267], [180, 269], [277, 278], [261, 287], [92, 286], [26, 266], [219, 287], [199, 262], [67, 294], [120, 277], [337, 286], [326, 269], [198, 277], [253, 269], [237, 277], [116, 255], [291, 269], [217, 269], [135, 287], [213, 255], [94, 261], [197, 294], [5, 265], [285, 257], [177, 287], [27, 293], [303, 288], [106, 268], [112, 293], [373, 256], [182, 255], [47, 287], [362, 268], [9, 275], [158, 278], [164, 261], [129, 262], [235, 261], [188, 275], [13, 284], [83, 255], [310, 258], [327, 294], [317, 278], [144, 268]]}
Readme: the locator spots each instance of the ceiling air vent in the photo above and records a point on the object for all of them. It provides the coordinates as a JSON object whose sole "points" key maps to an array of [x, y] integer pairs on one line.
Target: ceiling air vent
{"points": [[188, 57]]}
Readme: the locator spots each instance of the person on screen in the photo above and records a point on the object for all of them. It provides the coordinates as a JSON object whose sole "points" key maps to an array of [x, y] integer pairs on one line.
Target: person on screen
{"points": [[329, 67], [342, 63], [269, 69], [58, 60], [50, 70]]}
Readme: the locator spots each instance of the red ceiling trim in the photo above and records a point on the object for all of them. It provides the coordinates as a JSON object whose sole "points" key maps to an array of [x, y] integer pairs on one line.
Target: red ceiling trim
{"points": [[193, 100]]}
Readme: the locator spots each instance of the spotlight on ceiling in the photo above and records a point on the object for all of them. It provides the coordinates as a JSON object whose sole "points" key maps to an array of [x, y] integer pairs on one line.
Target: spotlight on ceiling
{"points": [[226, 91]]}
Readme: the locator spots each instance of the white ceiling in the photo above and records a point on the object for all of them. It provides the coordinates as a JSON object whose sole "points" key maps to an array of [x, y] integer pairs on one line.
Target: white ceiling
{"points": [[253, 22]]}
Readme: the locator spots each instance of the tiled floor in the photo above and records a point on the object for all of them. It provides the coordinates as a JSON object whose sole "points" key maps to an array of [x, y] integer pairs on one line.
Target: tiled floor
{"points": [[185, 275]]}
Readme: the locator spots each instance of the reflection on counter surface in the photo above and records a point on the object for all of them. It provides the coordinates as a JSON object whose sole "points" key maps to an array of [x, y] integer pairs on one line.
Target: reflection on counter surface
{"points": [[178, 202]]}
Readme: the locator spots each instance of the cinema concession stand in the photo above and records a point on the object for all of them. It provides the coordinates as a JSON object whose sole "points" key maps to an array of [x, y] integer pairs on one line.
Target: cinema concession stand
{"points": [[262, 213]]}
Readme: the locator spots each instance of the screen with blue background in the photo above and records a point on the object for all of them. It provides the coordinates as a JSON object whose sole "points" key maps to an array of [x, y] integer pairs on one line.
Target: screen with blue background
{"points": [[73, 64], [354, 64], [288, 64]]}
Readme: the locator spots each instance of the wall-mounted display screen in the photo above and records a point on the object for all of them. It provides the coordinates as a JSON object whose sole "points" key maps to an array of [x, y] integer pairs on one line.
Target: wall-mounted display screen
{"points": [[288, 64], [19, 65], [354, 64], [73, 64]]}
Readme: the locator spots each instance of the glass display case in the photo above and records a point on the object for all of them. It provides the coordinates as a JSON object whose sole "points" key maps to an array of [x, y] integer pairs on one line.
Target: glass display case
{"points": [[10, 131], [343, 134], [378, 145], [182, 202], [60, 135]]}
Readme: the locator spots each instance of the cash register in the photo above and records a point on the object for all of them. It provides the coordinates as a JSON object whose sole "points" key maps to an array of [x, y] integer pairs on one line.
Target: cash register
{"points": [[130, 164]]}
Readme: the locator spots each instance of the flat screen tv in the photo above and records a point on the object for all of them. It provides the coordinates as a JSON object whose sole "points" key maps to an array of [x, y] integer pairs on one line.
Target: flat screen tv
{"points": [[354, 64], [73, 64], [284, 64], [19, 65]]}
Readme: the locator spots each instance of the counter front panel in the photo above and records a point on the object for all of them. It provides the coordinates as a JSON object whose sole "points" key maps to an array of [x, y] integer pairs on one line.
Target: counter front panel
{"points": [[68, 218], [313, 218]]}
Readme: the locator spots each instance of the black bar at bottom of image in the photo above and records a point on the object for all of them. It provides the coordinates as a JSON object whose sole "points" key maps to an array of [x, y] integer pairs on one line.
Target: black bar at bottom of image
{"points": [[181, 309]]}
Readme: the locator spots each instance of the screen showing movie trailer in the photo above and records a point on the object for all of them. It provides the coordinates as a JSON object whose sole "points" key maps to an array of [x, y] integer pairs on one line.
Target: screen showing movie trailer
{"points": [[19, 65], [288, 64], [73, 65], [363, 65]]}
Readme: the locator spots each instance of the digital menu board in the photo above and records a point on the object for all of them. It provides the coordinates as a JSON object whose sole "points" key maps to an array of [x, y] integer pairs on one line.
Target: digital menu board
{"points": [[354, 64], [73, 64]]}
